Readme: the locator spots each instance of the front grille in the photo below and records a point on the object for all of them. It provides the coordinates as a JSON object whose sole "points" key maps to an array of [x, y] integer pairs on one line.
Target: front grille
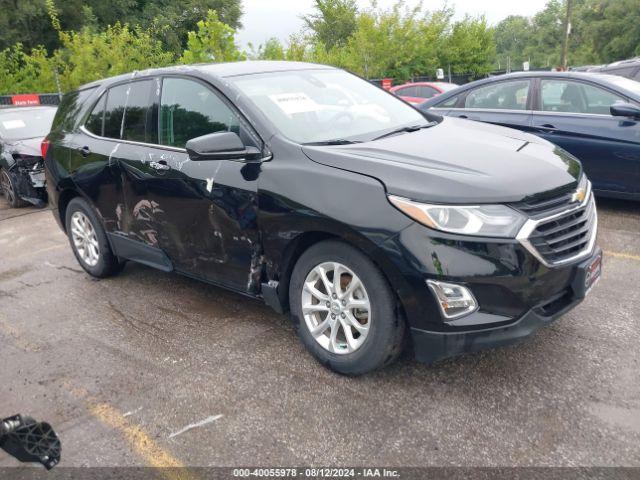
{"points": [[548, 206], [565, 236]]}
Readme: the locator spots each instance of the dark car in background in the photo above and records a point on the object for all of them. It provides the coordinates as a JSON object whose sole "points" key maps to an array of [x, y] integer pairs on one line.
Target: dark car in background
{"points": [[624, 68], [418, 92], [595, 117], [22, 179], [323, 195]]}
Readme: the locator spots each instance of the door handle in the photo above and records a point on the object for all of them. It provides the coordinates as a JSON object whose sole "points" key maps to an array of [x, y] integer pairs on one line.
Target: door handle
{"points": [[463, 116], [160, 166], [85, 151], [547, 127]]}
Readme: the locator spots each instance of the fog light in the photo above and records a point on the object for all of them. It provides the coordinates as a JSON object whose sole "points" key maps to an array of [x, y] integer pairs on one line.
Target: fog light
{"points": [[454, 300]]}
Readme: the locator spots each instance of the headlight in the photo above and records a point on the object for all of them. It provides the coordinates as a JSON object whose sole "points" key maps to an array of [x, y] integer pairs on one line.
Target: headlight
{"points": [[482, 220]]}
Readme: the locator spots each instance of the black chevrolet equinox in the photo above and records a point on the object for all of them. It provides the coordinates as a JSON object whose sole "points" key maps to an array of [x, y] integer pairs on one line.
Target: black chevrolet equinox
{"points": [[376, 226]]}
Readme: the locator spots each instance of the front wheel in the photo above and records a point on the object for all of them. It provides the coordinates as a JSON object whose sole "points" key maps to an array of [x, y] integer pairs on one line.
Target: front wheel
{"points": [[89, 241], [344, 310]]}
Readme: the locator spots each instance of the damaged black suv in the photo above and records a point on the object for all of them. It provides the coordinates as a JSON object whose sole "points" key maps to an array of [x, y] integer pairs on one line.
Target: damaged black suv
{"points": [[309, 188], [21, 165]]}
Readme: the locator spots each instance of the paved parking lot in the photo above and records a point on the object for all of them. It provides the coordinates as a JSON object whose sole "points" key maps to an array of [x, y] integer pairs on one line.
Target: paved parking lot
{"points": [[122, 367]]}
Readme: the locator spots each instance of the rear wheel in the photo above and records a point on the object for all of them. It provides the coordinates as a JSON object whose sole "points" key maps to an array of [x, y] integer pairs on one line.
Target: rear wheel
{"points": [[343, 309], [89, 241], [8, 188]]}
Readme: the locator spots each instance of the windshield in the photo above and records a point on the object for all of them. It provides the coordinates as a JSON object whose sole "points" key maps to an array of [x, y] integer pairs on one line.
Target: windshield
{"points": [[315, 106], [21, 124]]}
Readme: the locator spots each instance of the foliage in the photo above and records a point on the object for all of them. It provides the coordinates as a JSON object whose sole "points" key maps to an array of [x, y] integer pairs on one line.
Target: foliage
{"points": [[168, 19], [214, 41], [602, 31], [272, 49], [333, 22]]}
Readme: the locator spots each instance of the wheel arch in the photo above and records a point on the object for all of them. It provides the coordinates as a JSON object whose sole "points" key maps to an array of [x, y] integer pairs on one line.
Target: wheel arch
{"points": [[301, 243]]}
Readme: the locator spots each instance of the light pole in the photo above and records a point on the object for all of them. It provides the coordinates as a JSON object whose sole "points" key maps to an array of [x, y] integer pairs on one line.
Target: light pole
{"points": [[567, 32]]}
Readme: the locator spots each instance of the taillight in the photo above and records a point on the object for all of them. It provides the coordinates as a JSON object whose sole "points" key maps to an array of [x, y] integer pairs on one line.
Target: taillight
{"points": [[44, 148]]}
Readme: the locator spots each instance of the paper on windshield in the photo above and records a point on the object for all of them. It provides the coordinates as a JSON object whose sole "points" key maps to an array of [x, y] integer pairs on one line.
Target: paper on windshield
{"points": [[13, 124], [296, 102]]}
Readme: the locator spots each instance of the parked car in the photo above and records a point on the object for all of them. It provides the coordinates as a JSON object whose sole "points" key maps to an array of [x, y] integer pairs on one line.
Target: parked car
{"points": [[21, 165], [323, 195], [595, 117], [416, 93], [624, 68]]}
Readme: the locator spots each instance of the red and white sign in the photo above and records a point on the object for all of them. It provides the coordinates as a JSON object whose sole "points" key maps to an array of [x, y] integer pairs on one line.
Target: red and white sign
{"points": [[387, 83], [25, 100]]}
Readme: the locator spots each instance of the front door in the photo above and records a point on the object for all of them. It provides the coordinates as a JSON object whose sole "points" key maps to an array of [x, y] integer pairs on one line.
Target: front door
{"points": [[576, 116]]}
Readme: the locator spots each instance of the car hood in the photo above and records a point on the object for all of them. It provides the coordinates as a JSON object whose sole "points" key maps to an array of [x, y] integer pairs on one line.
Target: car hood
{"points": [[457, 161], [27, 146]]}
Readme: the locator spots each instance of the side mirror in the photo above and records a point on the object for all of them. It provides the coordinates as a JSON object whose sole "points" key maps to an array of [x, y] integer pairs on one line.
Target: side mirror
{"points": [[625, 110], [30, 441], [221, 146]]}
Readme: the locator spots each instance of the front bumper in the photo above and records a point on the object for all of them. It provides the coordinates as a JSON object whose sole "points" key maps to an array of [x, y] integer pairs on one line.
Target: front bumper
{"points": [[431, 346]]}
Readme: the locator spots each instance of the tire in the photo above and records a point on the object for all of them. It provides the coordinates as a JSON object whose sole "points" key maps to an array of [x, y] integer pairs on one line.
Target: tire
{"points": [[383, 327], [8, 187], [100, 262]]}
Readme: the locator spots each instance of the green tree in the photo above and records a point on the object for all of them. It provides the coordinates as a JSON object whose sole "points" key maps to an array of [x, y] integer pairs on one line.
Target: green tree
{"points": [[214, 41], [470, 48], [26, 73], [512, 36], [272, 49], [614, 26], [333, 22]]}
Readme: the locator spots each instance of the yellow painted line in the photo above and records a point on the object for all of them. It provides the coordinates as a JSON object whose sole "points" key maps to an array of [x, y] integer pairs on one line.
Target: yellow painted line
{"points": [[153, 454], [627, 256]]}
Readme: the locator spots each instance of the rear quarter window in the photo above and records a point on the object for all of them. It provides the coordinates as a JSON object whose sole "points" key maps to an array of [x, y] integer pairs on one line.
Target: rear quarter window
{"points": [[70, 109]]}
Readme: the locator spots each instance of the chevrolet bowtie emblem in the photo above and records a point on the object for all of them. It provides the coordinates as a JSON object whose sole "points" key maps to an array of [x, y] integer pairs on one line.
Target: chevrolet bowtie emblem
{"points": [[579, 196]]}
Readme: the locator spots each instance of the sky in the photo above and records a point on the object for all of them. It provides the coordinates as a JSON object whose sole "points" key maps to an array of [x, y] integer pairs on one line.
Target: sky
{"points": [[280, 18]]}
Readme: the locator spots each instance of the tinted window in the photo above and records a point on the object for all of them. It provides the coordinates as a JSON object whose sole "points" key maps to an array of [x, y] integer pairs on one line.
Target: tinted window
{"points": [[138, 123], [408, 92], [189, 109], [426, 92], [21, 124], [116, 103], [450, 103], [94, 122], [69, 109], [574, 97], [501, 96]]}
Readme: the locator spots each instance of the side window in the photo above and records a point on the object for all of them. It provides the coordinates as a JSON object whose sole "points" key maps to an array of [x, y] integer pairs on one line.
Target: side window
{"points": [[426, 92], [575, 97], [502, 96], [114, 111], [138, 121], [189, 109], [408, 92], [94, 121], [449, 103]]}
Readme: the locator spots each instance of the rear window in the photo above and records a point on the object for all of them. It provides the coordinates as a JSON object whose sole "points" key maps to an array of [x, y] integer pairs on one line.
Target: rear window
{"points": [[22, 124]]}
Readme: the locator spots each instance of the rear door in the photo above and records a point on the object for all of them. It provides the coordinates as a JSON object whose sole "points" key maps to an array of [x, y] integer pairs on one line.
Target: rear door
{"points": [[575, 115], [506, 103]]}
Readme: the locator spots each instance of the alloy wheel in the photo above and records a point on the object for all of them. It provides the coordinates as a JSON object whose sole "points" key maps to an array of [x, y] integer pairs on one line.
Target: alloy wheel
{"points": [[336, 308], [6, 186], [85, 239]]}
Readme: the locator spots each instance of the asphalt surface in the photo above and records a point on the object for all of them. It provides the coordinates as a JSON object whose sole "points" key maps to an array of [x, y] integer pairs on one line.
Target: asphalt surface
{"points": [[122, 366]]}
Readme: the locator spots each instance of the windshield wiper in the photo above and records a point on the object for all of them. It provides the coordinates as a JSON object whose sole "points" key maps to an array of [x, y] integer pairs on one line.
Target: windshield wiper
{"points": [[334, 141], [410, 129]]}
